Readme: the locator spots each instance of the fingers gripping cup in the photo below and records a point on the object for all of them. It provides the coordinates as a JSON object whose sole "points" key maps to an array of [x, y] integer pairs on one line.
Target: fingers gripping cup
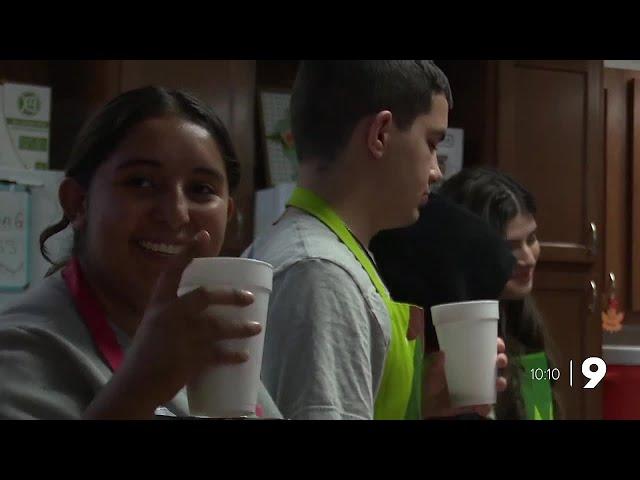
{"points": [[229, 391], [468, 334]]}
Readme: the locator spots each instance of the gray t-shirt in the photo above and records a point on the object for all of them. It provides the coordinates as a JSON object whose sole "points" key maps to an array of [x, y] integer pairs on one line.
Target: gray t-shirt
{"points": [[49, 366], [328, 330]]}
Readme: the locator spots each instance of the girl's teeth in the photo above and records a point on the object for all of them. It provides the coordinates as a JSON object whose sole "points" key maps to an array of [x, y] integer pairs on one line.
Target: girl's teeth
{"points": [[162, 247]]}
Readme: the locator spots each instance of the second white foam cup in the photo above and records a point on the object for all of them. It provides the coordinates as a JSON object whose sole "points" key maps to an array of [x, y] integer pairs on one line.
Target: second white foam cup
{"points": [[468, 334]]}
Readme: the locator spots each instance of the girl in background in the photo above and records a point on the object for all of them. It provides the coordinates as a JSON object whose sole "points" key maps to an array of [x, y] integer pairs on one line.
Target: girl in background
{"points": [[476, 240]]}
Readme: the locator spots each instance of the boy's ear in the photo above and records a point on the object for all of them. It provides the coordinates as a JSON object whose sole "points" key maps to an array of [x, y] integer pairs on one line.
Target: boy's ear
{"points": [[379, 132]]}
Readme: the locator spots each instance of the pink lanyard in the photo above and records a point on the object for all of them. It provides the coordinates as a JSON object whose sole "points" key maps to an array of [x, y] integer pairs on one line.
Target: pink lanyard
{"points": [[92, 315]]}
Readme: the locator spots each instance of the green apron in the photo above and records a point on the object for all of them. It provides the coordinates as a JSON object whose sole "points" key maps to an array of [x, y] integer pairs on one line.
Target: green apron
{"points": [[537, 396], [400, 393]]}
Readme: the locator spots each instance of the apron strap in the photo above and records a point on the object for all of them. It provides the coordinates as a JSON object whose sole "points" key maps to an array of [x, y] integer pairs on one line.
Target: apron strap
{"points": [[311, 203], [537, 394]]}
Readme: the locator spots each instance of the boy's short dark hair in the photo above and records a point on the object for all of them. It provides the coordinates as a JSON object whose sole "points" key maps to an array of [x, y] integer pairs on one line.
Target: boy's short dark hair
{"points": [[330, 97]]}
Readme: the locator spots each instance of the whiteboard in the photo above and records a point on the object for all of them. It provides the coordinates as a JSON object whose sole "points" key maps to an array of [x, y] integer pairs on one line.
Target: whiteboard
{"points": [[15, 217]]}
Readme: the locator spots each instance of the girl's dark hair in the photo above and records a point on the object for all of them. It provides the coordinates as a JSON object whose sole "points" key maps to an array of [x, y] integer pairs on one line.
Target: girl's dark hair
{"points": [[498, 199], [102, 135], [491, 194]]}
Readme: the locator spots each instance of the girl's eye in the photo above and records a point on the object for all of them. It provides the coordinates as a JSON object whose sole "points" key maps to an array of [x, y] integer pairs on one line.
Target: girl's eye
{"points": [[203, 190], [139, 182]]}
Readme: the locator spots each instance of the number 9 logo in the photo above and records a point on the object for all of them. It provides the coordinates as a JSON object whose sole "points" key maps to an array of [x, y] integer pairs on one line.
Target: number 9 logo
{"points": [[598, 375]]}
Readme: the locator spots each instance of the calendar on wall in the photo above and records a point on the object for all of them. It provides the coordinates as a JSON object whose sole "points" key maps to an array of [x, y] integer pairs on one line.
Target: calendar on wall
{"points": [[282, 162]]}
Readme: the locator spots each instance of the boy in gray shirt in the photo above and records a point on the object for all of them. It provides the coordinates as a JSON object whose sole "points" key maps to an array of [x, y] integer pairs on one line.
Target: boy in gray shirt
{"points": [[366, 135]]}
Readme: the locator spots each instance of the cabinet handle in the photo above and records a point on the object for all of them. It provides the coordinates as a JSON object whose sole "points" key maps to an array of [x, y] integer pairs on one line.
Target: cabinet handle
{"points": [[593, 248], [612, 283], [594, 296]]}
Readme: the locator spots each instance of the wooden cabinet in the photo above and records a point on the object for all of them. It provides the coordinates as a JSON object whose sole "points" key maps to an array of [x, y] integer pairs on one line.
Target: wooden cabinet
{"points": [[79, 88], [634, 303], [541, 121], [622, 124], [24, 71]]}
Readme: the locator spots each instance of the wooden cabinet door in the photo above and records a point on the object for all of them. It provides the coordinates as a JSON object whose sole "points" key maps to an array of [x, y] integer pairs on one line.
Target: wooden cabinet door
{"points": [[635, 197], [622, 116], [549, 135], [79, 88]]}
